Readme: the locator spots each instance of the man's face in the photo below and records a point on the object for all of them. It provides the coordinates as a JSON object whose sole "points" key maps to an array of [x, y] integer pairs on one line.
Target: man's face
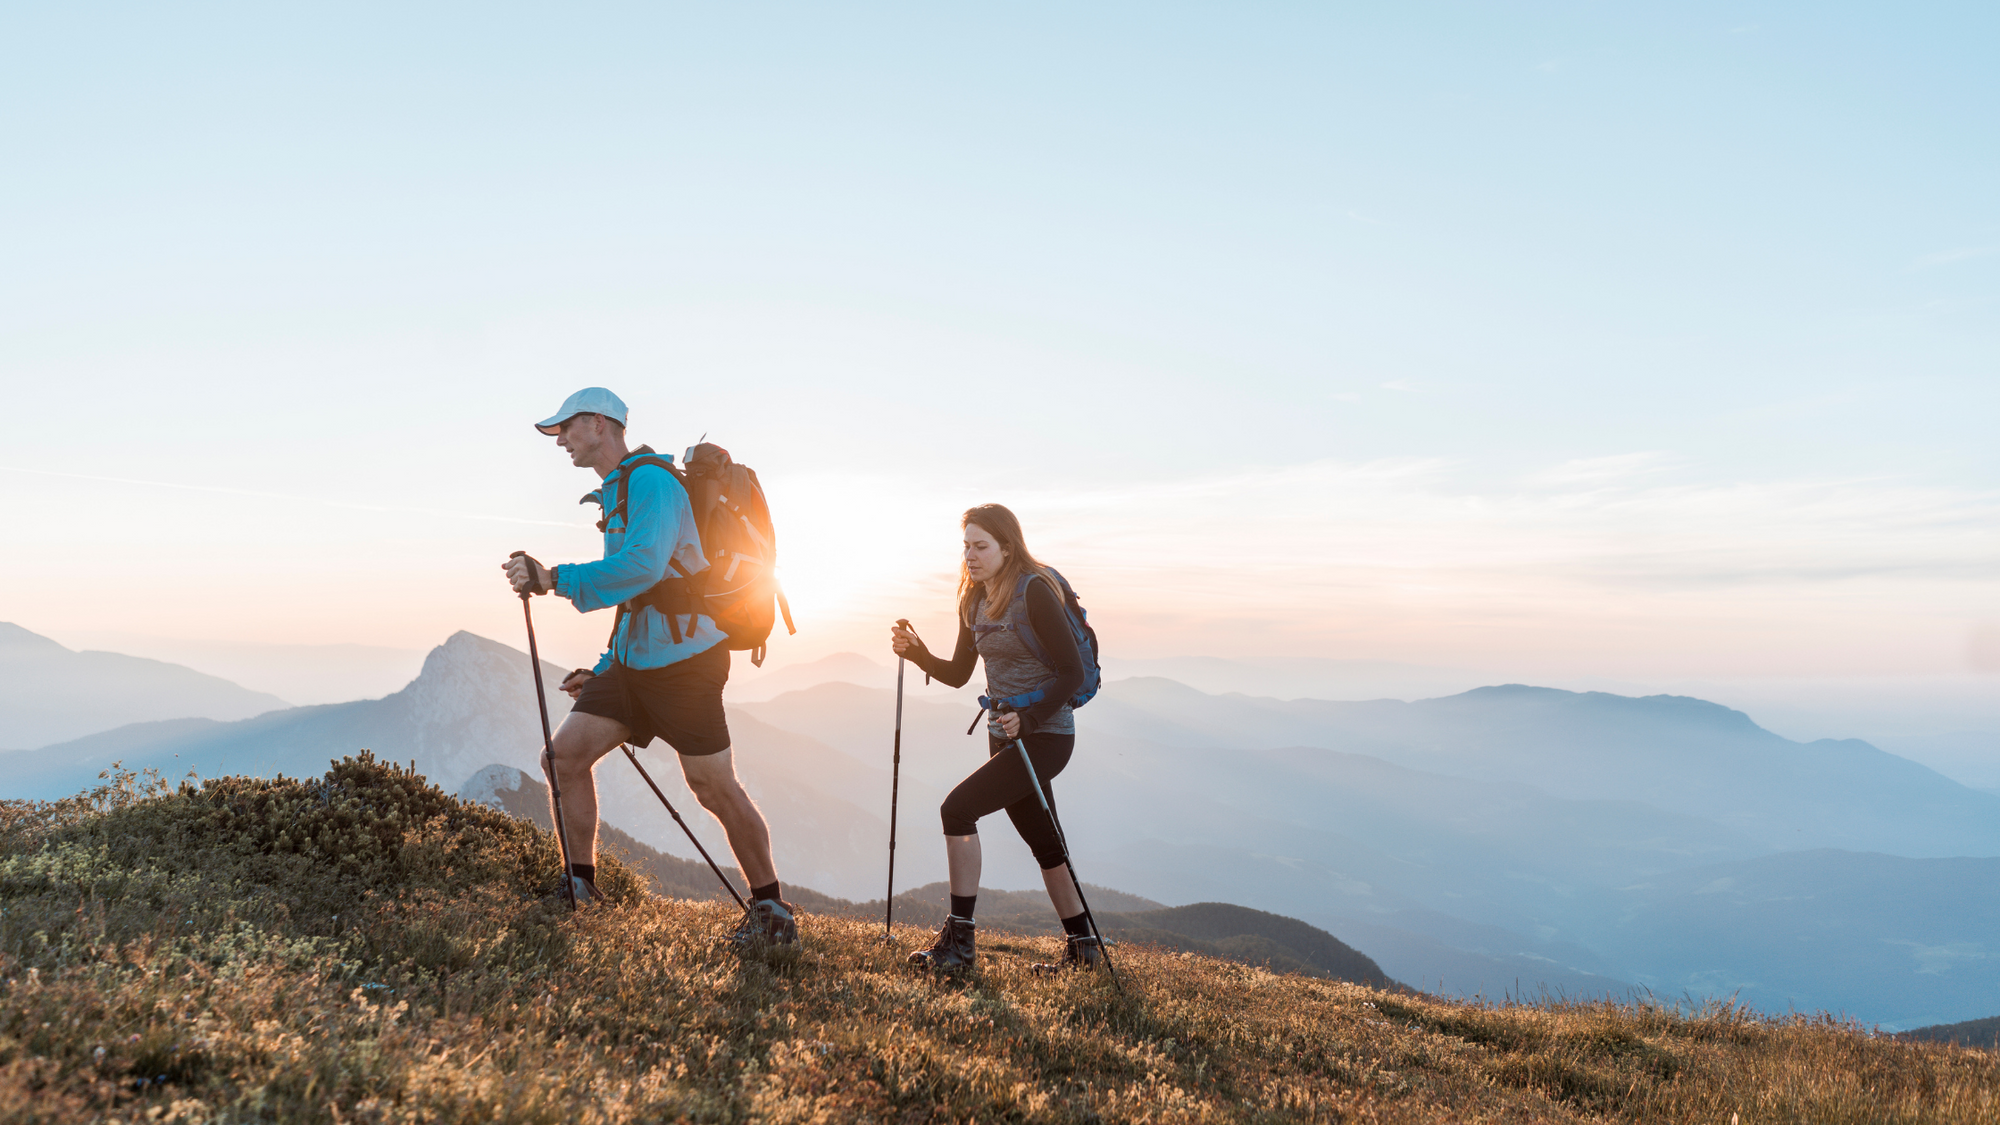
{"points": [[582, 435]]}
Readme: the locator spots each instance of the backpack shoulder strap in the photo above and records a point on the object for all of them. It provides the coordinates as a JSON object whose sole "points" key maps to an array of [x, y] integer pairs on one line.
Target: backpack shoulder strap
{"points": [[623, 475], [1027, 631]]}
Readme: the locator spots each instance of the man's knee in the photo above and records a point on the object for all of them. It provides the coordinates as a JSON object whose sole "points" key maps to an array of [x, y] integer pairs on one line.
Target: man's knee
{"points": [[714, 788], [582, 739]]}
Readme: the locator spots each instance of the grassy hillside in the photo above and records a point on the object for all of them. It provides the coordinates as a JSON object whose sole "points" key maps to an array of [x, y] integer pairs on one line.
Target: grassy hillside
{"points": [[363, 947]]}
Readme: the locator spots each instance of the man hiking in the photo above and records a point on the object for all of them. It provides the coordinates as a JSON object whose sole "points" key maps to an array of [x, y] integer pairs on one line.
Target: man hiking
{"points": [[662, 677]]}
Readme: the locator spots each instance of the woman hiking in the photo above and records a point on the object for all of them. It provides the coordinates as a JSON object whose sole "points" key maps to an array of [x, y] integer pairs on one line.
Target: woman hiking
{"points": [[1003, 590]]}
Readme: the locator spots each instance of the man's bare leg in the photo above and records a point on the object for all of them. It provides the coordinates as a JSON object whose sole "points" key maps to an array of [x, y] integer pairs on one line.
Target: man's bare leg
{"points": [[579, 743], [712, 778]]}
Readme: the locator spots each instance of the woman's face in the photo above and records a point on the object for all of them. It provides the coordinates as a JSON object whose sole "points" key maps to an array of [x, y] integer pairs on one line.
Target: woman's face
{"points": [[983, 555]]}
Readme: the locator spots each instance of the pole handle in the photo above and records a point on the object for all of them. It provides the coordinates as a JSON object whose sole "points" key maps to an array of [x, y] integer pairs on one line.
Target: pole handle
{"points": [[912, 630], [532, 564]]}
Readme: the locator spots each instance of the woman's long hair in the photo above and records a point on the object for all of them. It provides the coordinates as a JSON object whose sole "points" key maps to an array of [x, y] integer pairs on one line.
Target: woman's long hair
{"points": [[1006, 531]]}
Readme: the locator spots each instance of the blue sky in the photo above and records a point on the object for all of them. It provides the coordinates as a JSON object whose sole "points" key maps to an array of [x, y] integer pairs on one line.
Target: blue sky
{"points": [[1651, 341]]}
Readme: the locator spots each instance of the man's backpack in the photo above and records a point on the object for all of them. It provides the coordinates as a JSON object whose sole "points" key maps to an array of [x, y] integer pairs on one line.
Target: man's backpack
{"points": [[738, 589], [1079, 627]]}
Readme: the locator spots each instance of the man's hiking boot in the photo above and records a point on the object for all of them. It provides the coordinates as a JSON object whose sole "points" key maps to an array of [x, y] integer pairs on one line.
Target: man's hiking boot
{"points": [[1078, 953], [953, 948], [767, 922]]}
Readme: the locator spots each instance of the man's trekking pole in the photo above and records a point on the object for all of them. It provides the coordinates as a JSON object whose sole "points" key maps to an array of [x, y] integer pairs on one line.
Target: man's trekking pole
{"points": [[726, 884], [548, 747], [895, 792], [1035, 782]]}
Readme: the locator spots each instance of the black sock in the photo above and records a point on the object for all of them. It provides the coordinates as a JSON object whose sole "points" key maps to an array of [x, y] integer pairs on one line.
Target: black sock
{"points": [[585, 871], [768, 890], [1078, 926], [961, 905]]}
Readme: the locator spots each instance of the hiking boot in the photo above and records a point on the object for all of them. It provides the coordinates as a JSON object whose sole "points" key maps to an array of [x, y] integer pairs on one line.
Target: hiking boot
{"points": [[583, 890], [953, 948], [767, 922], [1078, 953]]}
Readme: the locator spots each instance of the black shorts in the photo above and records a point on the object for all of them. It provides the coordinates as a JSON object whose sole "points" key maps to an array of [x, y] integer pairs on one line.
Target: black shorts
{"points": [[681, 702]]}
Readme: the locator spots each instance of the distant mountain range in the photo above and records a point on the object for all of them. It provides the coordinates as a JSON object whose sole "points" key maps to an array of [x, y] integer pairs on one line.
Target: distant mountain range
{"points": [[474, 703], [49, 693], [1215, 929], [1507, 839]]}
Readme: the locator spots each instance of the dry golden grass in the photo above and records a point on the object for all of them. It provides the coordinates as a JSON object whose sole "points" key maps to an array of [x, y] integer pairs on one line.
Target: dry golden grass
{"points": [[398, 958]]}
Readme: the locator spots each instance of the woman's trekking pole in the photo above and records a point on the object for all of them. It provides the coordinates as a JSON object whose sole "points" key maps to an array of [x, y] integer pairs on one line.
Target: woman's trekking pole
{"points": [[726, 884], [548, 751], [895, 792], [1036, 783]]}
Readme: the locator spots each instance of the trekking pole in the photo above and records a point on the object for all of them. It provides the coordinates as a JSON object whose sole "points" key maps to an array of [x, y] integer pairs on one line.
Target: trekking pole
{"points": [[671, 811], [548, 749], [1103, 950], [895, 791]]}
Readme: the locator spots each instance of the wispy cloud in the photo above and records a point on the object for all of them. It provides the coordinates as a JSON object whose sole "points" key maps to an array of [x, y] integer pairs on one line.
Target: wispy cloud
{"points": [[1960, 254], [1624, 557], [350, 505], [1603, 470], [1625, 537]]}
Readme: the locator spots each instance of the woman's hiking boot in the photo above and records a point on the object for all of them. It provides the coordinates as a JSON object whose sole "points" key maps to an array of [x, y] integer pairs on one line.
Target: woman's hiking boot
{"points": [[1078, 953], [583, 891], [767, 922], [953, 948]]}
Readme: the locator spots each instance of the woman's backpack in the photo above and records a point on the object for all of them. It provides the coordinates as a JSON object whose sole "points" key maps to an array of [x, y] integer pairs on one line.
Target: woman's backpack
{"points": [[1079, 627], [1086, 639]]}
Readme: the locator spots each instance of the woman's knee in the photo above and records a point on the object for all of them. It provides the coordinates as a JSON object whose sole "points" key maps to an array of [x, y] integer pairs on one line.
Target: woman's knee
{"points": [[958, 821]]}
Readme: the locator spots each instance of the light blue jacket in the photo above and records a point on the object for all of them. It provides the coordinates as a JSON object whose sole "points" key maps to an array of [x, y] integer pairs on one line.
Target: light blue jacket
{"points": [[658, 524]]}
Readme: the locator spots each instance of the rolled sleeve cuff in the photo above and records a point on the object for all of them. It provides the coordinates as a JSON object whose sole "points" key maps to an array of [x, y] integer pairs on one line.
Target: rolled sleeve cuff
{"points": [[562, 584]]}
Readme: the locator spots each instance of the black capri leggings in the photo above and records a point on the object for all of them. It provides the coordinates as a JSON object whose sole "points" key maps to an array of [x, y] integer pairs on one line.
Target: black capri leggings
{"points": [[1002, 783]]}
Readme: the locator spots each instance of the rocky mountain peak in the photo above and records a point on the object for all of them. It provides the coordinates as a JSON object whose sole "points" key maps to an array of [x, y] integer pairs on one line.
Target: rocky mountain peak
{"points": [[474, 703]]}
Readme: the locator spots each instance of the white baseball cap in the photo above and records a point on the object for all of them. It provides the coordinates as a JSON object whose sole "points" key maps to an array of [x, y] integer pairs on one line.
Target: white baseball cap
{"points": [[589, 400]]}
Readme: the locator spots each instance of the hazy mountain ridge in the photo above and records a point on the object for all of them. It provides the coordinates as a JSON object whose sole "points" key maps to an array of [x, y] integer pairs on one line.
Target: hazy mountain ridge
{"points": [[1680, 755], [1203, 797], [473, 702], [1967, 1033], [1866, 934], [49, 693]]}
